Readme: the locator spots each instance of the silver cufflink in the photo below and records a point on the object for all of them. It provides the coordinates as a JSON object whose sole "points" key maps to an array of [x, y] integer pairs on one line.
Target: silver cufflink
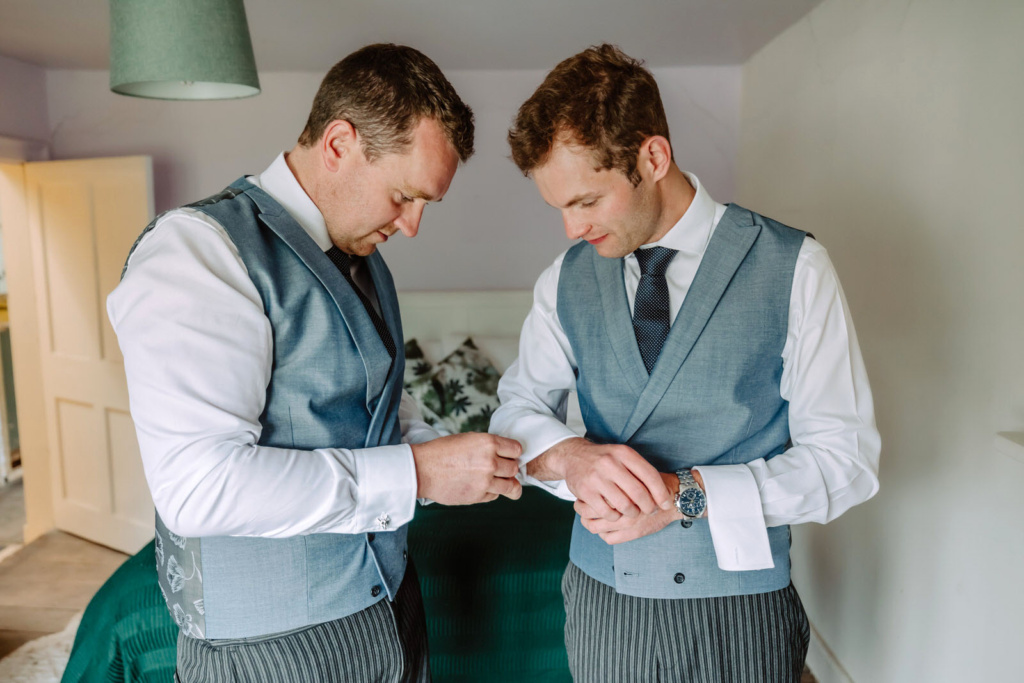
{"points": [[383, 521]]}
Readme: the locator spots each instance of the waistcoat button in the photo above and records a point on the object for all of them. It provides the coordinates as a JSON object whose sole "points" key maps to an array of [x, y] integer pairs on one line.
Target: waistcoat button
{"points": [[679, 578], [375, 591]]}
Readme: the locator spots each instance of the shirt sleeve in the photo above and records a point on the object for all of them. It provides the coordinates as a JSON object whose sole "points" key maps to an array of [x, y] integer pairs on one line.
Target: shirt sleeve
{"points": [[832, 464], [414, 428], [197, 353], [534, 391]]}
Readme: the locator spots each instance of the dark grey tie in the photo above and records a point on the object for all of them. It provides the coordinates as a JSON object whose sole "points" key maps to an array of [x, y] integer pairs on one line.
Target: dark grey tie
{"points": [[344, 263], [650, 307]]}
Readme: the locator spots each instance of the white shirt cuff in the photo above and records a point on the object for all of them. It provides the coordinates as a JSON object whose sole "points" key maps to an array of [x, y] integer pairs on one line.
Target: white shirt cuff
{"points": [[735, 518], [387, 488], [556, 488]]}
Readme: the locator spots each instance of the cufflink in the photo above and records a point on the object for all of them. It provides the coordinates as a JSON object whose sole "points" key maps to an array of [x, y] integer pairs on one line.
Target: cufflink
{"points": [[383, 521]]}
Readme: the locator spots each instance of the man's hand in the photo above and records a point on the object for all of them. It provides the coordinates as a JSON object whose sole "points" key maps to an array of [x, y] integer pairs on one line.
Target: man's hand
{"points": [[626, 528], [613, 480], [467, 468]]}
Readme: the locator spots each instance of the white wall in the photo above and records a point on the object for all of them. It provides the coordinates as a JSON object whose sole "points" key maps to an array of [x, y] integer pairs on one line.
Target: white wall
{"points": [[893, 130], [491, 232], [23, 112]]}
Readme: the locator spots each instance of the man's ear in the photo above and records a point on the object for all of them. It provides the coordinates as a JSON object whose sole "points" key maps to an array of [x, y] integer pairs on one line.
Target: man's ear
{"points": [[655, 157], [338, 144]]}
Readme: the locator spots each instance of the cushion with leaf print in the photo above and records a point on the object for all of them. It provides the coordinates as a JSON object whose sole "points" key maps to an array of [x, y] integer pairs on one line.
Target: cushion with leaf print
{"points": [[416, 364], [417, 381], [462, 390]]}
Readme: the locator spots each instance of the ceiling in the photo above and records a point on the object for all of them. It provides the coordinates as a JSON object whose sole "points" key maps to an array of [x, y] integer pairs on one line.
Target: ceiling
{"points": [[310, 35]]}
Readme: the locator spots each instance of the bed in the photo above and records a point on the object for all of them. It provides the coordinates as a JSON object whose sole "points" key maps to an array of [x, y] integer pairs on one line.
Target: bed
{"points": [[499, 618]]}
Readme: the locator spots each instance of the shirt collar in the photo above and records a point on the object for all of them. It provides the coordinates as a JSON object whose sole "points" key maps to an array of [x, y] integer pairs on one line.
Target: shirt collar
{"points": [[279, 182], [692, 231]]}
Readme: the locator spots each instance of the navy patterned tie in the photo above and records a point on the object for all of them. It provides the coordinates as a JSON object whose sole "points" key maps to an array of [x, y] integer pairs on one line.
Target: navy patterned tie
{"points": [[650, 307], [344, 263]]}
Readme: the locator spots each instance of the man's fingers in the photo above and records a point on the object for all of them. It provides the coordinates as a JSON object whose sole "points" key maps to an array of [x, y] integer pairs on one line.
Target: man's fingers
{"points": [[510, 488], [516, 491], [637, 491], [507, 448], [602, 526], [587, 511], [505, 467], [650, 477], [597, 507], [614, 537], [584, 509], [619, 501]]}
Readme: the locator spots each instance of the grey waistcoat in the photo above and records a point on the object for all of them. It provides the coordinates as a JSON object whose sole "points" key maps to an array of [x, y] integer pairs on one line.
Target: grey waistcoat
{"points": [[333, 385], [711, 399]]}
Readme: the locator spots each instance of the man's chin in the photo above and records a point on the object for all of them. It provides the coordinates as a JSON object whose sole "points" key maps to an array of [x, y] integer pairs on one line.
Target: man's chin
{"points": [[609, 249]]}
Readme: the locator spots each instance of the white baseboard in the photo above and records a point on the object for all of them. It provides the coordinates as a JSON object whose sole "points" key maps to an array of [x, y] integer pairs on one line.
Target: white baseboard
{"points": [[9, 550], [823, 663]]}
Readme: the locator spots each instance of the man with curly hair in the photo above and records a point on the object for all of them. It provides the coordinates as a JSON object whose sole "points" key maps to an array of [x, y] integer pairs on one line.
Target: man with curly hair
{"points": [[719, 378]]}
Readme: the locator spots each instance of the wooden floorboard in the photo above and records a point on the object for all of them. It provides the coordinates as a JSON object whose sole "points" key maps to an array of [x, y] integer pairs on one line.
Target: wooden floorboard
{"points": [[47, 582]]}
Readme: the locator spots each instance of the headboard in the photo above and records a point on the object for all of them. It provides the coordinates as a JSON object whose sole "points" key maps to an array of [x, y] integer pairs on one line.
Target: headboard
{"points": [[440, 321], [433, 315]]}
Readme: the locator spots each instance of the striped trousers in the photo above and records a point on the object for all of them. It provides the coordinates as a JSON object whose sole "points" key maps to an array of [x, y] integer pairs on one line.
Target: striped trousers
{"points": [[384, 643], [613, 638]]}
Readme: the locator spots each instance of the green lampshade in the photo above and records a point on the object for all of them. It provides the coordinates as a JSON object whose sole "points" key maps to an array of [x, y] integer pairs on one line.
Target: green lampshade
{"points": [[181, 50]]}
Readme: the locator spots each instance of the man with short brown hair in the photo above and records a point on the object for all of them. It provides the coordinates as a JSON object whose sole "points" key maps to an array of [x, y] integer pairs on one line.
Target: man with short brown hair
{"points": [[263, 349], [720, 382]]}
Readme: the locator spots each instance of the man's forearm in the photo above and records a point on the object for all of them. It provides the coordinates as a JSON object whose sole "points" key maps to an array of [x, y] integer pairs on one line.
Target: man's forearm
{"points": [[549, 465]]}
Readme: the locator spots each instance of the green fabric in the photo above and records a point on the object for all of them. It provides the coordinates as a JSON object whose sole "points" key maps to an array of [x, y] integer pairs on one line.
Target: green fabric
{"points": [[491, 578], [126, 633], [497, 617]]}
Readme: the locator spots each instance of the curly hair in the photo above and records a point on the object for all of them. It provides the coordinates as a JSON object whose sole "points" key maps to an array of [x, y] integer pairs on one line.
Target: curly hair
{"points": [[602, 99], [384, 90]]}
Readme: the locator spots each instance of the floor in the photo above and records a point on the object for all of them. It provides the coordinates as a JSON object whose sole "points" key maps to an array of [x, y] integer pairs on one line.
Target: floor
{"points": [[48, 581]]}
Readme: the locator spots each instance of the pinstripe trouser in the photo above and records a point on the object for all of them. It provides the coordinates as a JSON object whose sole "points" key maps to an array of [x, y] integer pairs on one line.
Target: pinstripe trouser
{"points": [[613, 638], [386, 642]]}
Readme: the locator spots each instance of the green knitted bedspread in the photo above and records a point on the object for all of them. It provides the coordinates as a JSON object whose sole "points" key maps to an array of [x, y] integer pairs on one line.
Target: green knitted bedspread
{"points": [[496, 617]]}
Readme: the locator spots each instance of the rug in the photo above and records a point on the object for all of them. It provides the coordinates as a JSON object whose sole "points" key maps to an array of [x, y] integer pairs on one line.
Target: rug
{"points": [[41, 660]]}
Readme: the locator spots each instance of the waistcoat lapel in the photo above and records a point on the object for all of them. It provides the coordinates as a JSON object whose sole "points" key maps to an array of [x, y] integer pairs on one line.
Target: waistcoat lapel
{"points": [[612, 289], [388, 300], [733, 238], [375, 357]]}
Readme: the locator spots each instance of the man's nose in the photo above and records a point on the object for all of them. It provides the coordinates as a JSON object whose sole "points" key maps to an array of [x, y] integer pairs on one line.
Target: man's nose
{"points": [[575, 229], [409, 221]]}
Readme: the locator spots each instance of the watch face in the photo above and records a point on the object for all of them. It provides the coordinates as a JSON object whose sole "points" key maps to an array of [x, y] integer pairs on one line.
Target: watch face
{"points": [[692, 502]]}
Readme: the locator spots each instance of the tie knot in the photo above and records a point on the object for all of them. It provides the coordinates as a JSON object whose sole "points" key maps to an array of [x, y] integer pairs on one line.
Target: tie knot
{"points": [[654, 261], [342, 260]]}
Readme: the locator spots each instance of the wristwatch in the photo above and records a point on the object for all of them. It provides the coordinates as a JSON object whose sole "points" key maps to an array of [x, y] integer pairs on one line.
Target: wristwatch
{"points": [[690, 501]]}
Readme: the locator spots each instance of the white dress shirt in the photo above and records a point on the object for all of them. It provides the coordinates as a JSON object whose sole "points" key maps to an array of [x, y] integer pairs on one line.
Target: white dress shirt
{"points": [[198, 352], [833, 462]]}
